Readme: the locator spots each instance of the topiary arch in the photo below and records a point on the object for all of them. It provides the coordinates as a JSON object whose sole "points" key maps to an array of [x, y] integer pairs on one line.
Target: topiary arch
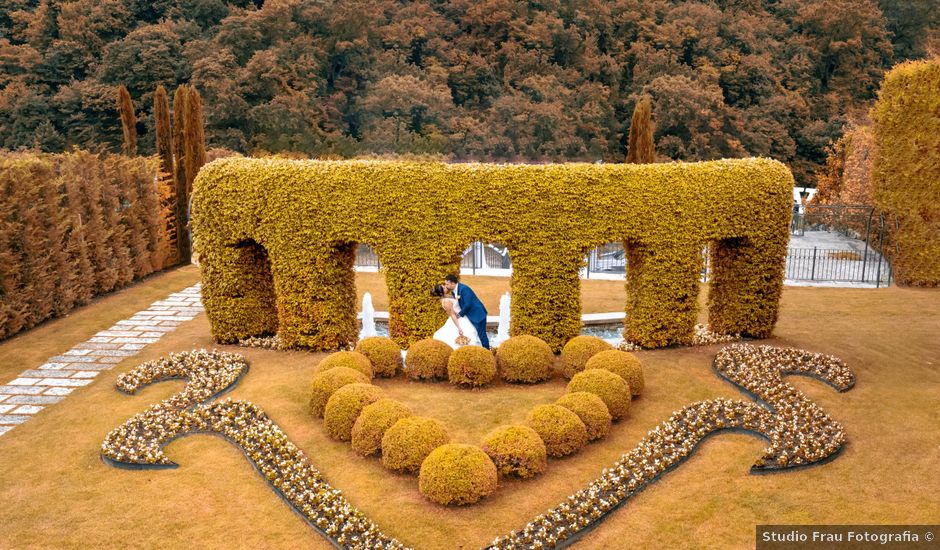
{"points": [[277, 240]]}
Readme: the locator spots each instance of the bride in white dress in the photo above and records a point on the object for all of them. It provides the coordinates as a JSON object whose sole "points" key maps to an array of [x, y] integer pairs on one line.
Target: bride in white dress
{"points": [[456, 325]]}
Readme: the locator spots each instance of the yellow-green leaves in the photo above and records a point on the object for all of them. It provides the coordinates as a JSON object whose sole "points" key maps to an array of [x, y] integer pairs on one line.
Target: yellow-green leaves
{"points": [[277, 239]]}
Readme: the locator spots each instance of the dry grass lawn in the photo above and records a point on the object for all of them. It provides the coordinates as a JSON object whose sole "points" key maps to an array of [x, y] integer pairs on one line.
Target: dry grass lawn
{"points": [[56, 492]]}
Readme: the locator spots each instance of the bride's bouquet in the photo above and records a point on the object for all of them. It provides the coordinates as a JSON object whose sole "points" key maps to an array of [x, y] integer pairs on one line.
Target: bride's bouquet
{"points": [[462, 340]]}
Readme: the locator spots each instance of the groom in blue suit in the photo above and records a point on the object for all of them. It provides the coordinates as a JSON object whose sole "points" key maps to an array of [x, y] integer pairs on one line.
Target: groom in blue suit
{"points": [[470, 306]]}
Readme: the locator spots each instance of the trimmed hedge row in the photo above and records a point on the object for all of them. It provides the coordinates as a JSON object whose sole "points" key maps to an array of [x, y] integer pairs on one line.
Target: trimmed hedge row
{"points": [[74, 226], [277, 240], [906, 176]]}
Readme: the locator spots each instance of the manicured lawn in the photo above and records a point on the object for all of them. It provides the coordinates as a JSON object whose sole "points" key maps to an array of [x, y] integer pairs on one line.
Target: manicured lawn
{"points": [[57, 492]]}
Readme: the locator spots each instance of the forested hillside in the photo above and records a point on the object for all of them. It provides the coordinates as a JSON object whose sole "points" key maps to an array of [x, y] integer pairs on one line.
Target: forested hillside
{"points": [[473, 79]]}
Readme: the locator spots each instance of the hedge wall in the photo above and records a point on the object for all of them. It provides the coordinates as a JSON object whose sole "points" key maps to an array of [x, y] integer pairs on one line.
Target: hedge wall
{"points": [[277, 240], [73, 226], [907, 167]]}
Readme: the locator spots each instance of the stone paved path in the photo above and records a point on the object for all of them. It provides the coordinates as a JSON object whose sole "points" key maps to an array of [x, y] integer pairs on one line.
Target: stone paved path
{"points": [[36, 389]]}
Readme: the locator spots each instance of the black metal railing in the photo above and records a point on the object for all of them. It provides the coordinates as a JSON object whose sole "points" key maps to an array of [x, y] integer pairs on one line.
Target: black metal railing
{"points": [[608, 258], [481, 255], [837, 265], [366, 257], [802, 264]]}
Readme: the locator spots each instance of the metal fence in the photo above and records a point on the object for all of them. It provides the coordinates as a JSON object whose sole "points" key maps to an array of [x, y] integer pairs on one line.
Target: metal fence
{"points": [[837, 265], [486, 256], [802, 264], [366, 257]]}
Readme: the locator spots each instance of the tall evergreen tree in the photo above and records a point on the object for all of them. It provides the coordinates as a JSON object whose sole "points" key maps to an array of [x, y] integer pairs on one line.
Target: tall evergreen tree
{"points": [[180, 195], [128, 121], [195, 137], [640, 147], [167, 188], [161, 115]]}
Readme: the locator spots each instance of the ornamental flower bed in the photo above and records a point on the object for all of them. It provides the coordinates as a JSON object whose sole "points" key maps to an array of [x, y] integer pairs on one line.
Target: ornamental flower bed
{"points": [[138, 443], [799, 431]]}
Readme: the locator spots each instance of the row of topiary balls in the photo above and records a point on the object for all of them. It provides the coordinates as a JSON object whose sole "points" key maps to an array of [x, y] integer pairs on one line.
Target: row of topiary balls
{"points": [[603, 382]]}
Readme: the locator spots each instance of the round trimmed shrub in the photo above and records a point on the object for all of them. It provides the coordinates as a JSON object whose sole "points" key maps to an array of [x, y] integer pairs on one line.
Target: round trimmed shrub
{"points": [[575, 354], [591, 410], [349, 359], [525, 359], [516, 451], [384, 354], [344, 406], [560, 429], [457, 474], [373, 422], [410, 440], [427, 360], [621, 363], [471, 366], [613, 390], [325, 383]]}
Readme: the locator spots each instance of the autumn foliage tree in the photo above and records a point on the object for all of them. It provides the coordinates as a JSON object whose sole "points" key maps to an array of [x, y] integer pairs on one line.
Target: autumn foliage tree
{"points": [[846, 178], [487, 79]]}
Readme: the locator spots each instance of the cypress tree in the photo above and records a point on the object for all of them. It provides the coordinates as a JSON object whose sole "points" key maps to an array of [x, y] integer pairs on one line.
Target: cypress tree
{"points": [[133, 213], [180, 196], [113, 204], [97, 230], [14, 288], [161, 114], [165, 249], [82, 268], [640, 147], [128, 121], [195, 138], [9, 261], [37, 269], [56, 227]]}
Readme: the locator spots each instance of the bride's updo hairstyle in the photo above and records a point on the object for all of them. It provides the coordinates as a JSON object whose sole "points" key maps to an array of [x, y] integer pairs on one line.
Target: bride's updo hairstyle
{"points": [[437, 291]]}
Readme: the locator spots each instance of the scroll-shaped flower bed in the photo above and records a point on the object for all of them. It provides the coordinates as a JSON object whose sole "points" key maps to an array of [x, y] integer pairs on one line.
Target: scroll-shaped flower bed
{"points": [[799, 431], [140, 440]]}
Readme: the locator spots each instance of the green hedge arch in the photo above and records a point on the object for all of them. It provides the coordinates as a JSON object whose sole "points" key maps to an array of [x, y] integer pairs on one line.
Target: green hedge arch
{"points": [[277, 240]]}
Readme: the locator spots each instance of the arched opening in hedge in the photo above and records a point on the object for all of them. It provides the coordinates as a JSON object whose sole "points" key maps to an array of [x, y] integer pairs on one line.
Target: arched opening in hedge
{"points": [[609, 258], [368, 265]]}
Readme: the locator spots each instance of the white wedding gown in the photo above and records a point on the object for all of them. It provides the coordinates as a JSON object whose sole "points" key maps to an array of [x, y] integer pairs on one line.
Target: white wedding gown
{"points": [[448, 333]]}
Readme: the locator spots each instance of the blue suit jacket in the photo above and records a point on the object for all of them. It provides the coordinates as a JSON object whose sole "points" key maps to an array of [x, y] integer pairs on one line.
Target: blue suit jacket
{"points": [[470, 306]]}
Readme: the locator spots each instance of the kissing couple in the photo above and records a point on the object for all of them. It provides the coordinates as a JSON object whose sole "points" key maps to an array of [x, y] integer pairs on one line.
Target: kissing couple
{"points": [[466, 316]]}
